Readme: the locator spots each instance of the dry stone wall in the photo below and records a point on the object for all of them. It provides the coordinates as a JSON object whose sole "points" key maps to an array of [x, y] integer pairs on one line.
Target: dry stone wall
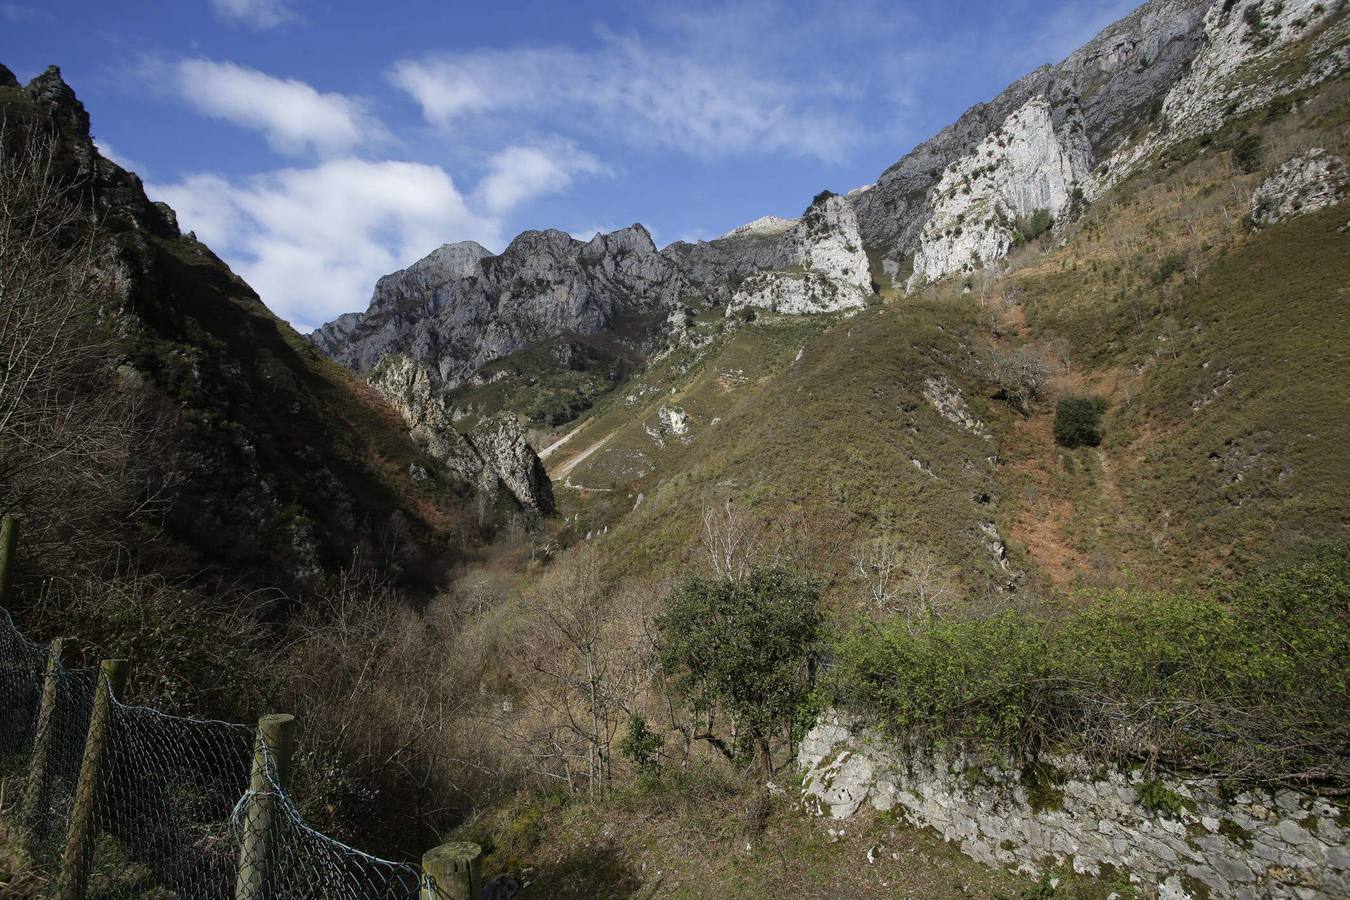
{"points": [[1182, 837]]}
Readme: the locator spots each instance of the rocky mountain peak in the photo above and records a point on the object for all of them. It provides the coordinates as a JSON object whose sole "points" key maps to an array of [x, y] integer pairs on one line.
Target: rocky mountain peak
{"points": [[633, 239]]}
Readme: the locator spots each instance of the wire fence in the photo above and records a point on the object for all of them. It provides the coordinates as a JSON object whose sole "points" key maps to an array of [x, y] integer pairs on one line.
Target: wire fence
{"points": [[162, 806]]}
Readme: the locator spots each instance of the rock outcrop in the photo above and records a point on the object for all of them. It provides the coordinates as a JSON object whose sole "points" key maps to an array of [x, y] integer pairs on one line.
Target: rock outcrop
{"points": [[821, 265], [461, 306], [1087, 818], [1111, 82], [1026, 164], [1308, 182], [494, 455], [1236, 36]]}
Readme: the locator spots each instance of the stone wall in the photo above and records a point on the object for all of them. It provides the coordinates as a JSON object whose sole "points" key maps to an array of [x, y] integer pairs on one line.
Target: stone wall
{"points": [[1181, 836]]}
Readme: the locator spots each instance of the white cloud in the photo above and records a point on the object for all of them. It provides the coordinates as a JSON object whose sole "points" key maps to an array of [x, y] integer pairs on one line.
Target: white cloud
{"points": [[520, 173], [18, 13], [293, 116], [648, 96], [313, 241], [259, 14]]}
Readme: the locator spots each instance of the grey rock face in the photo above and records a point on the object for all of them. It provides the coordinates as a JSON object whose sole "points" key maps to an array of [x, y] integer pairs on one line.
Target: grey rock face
{"points": [[501, 443], [983, 806], [829, 270], [496, 453], [1111, 82], [1027, 163], [1238, 36], [1306, 183], [461, 307]]}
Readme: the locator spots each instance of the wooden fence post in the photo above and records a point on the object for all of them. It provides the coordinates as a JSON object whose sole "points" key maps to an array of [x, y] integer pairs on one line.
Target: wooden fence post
{"points": [[79, 851], [33, 815], [9, 535], [273, 744], [452, 872]]}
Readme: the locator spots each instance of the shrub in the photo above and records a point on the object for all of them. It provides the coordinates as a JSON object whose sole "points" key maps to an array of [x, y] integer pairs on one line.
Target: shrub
{"points": [[1018, 376], [1249, 686], [1028, 228], [1168, 266], [1078, 421], [742, 646], [1160, 800], [1248, 152], [640, 745]]}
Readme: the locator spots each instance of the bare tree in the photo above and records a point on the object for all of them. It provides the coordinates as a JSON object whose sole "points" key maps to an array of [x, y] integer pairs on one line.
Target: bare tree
{"points": [[878, 567], [71, 441], [901, 580], [1019, 375], [731, 538], [593, 648]]}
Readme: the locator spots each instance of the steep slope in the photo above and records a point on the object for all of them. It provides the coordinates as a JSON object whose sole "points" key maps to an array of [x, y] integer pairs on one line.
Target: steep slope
{"points": [[708, 404], [1112, 82], [282, 462], [1216, 348]]}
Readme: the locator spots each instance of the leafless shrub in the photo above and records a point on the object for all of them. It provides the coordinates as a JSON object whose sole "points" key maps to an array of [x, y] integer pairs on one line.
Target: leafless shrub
{"points": [[73, 442], [901, 580], [592, 648], [1018, 376]]}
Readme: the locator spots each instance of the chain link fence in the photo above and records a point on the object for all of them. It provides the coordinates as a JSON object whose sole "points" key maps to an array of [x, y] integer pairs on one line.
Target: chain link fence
{"points": [[114, 800]]}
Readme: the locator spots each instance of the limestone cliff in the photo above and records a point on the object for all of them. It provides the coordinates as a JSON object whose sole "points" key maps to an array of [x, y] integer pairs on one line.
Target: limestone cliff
{"points": [[1026, 164], [1304, 184], [495, 454], [822, 265], [461, 306]]}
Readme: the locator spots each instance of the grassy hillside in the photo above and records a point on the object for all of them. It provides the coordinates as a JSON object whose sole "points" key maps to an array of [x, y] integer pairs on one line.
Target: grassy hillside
{"points": [[1219, 351]]}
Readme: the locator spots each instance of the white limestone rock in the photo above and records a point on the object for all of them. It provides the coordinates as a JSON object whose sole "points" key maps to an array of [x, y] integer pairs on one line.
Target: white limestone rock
{"points": [[1304, 184], [764, 225], [797, 294], [823, 266], [1025, 165], [671, 421], [950, 404], [1096, 819], [1223, 80], [495, 455]]}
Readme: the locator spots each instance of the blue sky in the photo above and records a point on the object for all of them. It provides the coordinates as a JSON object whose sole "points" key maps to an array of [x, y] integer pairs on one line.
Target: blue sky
{"points": [[316, 144]]}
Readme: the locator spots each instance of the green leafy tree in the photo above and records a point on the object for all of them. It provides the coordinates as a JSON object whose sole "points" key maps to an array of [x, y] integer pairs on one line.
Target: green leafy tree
{"points": [[640, 745], [742, 647]]}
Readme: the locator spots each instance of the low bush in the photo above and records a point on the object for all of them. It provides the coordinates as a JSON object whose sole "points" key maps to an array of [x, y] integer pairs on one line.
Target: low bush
{"points": [[1028, 228], [1250, 686], [1167, 267], [1078, 421], [1248, 152]]}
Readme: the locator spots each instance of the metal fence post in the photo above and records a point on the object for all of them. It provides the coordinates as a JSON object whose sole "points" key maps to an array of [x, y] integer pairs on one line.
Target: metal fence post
{"points": [[78, 855], [9, 535], [452, 872], [272, 746], [33, 815]]}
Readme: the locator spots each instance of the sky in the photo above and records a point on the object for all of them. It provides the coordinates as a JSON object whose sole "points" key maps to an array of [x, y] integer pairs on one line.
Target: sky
{"points": [[316, 145]]}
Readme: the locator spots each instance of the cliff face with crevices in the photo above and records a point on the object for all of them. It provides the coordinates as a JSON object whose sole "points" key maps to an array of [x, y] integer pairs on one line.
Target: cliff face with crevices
{"points": [[1112, 83], [281, 463]]}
